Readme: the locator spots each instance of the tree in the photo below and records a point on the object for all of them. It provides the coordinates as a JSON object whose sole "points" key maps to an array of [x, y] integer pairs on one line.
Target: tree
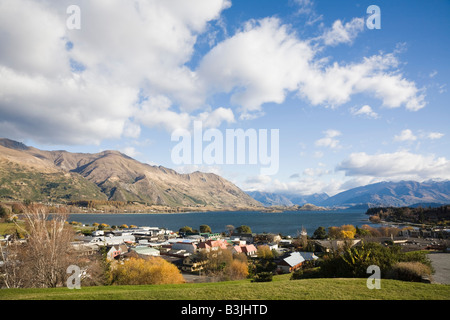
{"points": [[185, 229], [229, 228], [204, 228], [264, 252], [236, 270], [4, 211], [244, 229], [139, 271], [47, 253], [320, 233]]}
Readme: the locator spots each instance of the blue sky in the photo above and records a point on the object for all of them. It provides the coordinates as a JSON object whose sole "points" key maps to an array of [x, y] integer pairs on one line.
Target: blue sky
{"points": [[353, 105]]}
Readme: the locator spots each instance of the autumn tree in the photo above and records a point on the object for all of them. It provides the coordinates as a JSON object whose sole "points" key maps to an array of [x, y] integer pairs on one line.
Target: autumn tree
{"points": [[264, 252], [47, 253], [154, 270], [236, 270]]}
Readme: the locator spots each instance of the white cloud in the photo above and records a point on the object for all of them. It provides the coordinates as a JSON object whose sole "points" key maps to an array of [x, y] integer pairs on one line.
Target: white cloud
{"points": [[343, 33], [365, 111], [329, 140], [315, 172], [135, 49], [124, 47], [405, 135], [259, 64], [400, 165], [215, 118], [434, 135]]}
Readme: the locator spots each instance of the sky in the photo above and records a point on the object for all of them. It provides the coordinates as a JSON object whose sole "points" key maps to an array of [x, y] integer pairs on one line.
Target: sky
{"points": [[341, 103]]}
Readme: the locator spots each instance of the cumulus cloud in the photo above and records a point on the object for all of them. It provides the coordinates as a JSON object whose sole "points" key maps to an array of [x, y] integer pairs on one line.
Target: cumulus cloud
{"points": [[266, 60], [400, 165], [365, 111], [329, 140], [405, 135], [128, 66], [83, 86], [434, 135], [343, 33]]}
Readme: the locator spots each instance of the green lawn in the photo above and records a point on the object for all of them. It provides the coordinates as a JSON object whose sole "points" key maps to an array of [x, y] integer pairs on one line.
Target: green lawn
{"points": [[280, 289]]}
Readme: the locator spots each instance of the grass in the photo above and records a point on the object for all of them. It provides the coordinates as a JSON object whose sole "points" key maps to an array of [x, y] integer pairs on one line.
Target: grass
{"points": [[281, 288]]}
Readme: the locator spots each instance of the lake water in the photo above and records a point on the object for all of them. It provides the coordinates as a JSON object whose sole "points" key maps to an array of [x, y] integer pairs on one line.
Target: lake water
{"points": [[285, 223]]}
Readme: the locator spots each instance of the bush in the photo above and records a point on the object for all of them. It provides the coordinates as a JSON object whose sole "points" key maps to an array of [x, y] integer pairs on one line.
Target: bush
{"points": [[155, 270], [409, 271], [306, 274], [263, 277]]}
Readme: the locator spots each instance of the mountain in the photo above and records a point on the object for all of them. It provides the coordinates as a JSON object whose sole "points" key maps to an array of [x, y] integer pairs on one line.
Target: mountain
{"points": [[286, 199], [390, 194], [30, 173], [395, 194]]}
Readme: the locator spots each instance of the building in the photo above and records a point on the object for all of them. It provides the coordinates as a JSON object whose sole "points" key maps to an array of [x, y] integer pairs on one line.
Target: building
{"points": [[212, 245], [188, 246], [290, 263], [248, 249], [193, 264], [145, 251], [115, 251], [335, 245]]}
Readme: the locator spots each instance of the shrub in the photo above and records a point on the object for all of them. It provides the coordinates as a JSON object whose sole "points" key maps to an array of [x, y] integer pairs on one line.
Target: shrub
{"points": [[236, 270], [263, 277], [155, 270], [409, 271]]}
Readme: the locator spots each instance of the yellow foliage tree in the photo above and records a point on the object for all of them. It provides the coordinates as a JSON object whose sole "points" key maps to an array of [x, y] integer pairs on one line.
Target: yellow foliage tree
{"points": [[344, 234], [139, 271], [237, 270], [264, 252]]}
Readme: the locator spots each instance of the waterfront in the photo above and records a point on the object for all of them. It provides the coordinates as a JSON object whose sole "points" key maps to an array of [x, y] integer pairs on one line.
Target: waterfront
{"points": [[285, 223]]}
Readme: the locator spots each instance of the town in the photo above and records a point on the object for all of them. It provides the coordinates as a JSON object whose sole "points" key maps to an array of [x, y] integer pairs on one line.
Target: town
{"points": [[188, 249]]}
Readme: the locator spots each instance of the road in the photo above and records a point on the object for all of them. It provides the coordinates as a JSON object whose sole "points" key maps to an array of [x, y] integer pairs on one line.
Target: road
{"points": [[441, 265]]}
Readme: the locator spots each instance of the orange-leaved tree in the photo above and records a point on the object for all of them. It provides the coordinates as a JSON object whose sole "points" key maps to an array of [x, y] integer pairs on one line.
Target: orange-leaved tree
{"points": [[138, 271]]}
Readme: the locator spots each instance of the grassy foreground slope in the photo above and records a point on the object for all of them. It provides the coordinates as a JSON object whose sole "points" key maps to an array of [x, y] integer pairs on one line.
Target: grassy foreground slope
{"points": [[280, 289]]}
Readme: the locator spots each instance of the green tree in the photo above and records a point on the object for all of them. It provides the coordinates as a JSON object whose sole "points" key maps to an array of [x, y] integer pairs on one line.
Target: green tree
{"points": [[204, 228], [320, 233], [244, 229], [185, 229], [4, 212]]}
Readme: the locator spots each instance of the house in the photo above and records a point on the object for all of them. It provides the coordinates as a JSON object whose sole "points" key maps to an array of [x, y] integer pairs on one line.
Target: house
{"points": [[247, 237], [309, 256], [115, 251], [290, 263], [248, 249], [97, 233], [189, 246], [334, 245], [193, 263], [145, 251], [211, 245]]}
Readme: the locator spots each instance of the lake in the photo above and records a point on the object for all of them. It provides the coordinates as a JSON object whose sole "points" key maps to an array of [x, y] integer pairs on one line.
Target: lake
{"points": [[285, 223]]}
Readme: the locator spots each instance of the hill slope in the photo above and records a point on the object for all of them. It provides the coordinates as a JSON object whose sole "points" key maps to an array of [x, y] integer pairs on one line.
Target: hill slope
{"points": [[108, 175], [396, 194]]}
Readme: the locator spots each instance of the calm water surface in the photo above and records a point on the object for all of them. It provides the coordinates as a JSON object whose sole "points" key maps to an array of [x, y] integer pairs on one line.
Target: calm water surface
{"points": [[286, 223]]}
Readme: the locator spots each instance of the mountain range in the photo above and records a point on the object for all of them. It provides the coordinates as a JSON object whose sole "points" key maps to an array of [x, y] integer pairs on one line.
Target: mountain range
{"points": [[388, 194], [27, 173], [38, 175]]}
